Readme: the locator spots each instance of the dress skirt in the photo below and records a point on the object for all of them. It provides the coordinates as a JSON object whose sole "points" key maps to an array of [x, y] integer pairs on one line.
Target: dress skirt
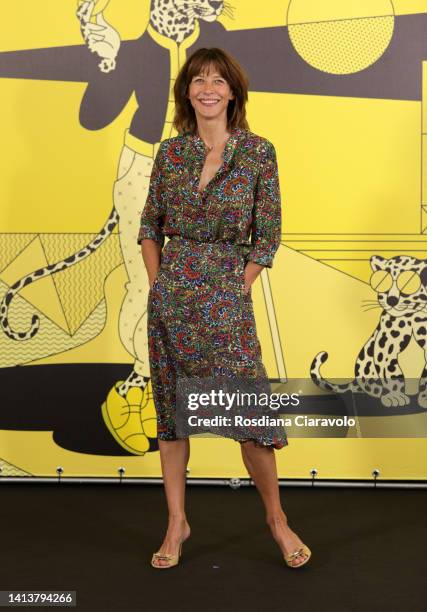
{"points": [[200, 323]]}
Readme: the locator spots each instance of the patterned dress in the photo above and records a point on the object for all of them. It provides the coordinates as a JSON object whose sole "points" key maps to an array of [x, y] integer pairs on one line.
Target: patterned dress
{"points": [[200, 321]]}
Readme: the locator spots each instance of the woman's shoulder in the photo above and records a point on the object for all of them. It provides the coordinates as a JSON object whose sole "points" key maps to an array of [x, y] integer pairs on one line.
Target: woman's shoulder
{"points": [[173, 140], [260, 144], [178, 138]]}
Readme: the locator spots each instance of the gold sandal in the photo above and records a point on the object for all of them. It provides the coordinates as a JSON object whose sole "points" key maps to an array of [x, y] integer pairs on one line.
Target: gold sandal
{"points": [[173, 559], [289, 558]]}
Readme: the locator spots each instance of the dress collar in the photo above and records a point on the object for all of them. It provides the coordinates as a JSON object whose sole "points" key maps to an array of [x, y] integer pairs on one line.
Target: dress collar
{"points": [[199, 148]]}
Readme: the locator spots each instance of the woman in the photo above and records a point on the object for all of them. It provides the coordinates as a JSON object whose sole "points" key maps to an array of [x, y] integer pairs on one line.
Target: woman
{"points": [[211, 186]]}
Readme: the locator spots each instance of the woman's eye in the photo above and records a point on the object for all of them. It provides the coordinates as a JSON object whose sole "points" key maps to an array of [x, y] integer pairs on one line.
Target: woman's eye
{"points": [[200, 80]]}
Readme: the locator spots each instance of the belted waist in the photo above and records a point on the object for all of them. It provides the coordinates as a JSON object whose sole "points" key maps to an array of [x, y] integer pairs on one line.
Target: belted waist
{"points": [[206, 241], [214, 258]]}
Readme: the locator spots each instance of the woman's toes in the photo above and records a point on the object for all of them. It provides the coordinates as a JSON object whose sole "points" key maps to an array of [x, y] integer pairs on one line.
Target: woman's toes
{"points": [[160, 562], [298, 560]]}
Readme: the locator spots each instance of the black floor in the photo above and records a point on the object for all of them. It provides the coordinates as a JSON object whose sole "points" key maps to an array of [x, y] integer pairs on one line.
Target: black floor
{"points": [[369, 548]]}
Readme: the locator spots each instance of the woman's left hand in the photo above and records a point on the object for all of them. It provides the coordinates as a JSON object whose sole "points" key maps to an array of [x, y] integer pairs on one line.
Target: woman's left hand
{"points": [[252, 270]]}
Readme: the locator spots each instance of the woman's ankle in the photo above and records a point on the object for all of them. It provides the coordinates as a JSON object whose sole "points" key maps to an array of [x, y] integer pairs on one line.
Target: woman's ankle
{"points": [[177, 518], [277, 518]]}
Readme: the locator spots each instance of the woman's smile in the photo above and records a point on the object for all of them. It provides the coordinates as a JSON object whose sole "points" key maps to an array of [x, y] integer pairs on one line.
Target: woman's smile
{"points": [[208, 102]]}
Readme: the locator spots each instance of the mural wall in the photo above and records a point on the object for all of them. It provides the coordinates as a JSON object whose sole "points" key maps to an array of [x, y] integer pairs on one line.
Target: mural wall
{"points": [[340, 89]]}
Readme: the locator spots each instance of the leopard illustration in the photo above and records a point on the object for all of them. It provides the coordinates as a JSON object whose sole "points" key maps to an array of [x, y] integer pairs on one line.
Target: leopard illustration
{"points": [[87, 250], [401, 286], [175, 18]]}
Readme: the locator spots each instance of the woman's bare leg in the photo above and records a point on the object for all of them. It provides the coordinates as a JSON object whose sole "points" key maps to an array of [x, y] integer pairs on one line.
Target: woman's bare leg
{"points": [[261, 465], [174, 456]]}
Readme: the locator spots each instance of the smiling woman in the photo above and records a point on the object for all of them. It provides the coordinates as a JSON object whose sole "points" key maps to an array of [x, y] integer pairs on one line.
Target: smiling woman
{"points": [[211, 187]]}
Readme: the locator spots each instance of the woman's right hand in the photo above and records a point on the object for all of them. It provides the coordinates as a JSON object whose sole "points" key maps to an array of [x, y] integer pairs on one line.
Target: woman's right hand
{"points": [[152, 280], [151, 254]]}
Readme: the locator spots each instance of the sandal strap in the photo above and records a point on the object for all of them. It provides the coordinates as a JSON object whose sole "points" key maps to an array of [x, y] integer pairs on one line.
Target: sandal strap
{"points": [[296, 553], [164, 557]]}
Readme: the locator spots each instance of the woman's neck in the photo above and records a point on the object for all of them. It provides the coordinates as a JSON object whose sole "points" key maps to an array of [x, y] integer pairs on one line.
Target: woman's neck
{"points": [[213, 133]]}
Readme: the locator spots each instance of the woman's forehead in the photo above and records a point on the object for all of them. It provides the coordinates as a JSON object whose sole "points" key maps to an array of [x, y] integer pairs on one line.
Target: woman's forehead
{"points": [[209, 69]]}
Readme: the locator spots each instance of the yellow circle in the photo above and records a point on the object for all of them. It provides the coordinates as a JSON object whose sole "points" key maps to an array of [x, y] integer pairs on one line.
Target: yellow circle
{"points": [[340, 37], [381, 281], [408, 282], [99, 5]]}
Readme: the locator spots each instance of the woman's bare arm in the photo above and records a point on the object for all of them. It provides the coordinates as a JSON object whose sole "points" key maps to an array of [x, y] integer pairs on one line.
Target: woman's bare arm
{"points": [[252, 271], [151, 251]]}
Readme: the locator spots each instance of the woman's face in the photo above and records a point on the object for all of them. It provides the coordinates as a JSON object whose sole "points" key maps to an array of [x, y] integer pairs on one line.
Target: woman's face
{"points": [[209, 94]]}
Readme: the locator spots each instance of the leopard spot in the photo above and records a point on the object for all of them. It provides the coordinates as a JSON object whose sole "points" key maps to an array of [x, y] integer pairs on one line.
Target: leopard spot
{"points": [[383, 340], [404, 342]]}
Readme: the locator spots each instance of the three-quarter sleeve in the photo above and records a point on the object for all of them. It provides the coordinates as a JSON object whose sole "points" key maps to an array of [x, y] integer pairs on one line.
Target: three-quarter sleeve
{"points": [[152, 216], [266, 213]]}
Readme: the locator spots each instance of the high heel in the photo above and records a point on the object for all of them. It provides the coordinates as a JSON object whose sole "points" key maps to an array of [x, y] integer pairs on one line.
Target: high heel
{"points": [[302, 549], [173, 559]]}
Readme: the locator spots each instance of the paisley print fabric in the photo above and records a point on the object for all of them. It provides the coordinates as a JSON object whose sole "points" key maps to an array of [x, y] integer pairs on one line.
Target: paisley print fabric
{"points": [[200, 320]]}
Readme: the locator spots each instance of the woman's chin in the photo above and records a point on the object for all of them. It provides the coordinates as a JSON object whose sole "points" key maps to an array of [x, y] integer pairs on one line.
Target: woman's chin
{"points": [[210, 113]]}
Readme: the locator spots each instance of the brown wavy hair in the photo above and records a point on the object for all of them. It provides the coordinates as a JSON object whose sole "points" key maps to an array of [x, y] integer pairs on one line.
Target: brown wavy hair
{"points": [[185, 118]]}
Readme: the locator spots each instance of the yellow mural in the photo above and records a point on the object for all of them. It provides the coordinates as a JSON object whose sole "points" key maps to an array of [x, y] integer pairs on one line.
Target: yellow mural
{"points": [[87, 97]]}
